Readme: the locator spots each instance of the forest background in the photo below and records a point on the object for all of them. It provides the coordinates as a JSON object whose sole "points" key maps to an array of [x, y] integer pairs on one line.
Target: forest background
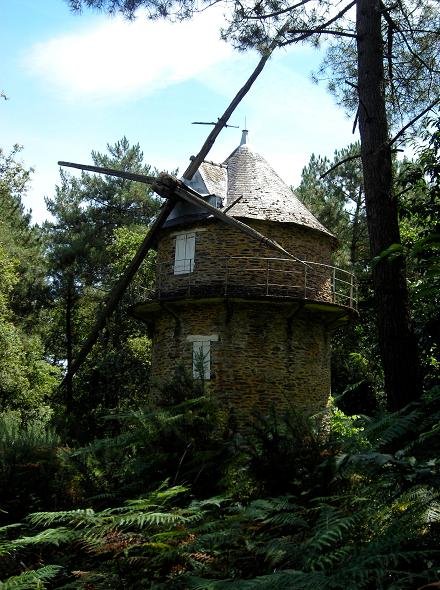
{"points": [[100, 489]]}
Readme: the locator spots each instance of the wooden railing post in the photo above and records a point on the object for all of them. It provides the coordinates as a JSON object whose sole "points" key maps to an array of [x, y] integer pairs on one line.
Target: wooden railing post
{"points": [[267, 275], [226, 276], [305, 281], [334, 285]]}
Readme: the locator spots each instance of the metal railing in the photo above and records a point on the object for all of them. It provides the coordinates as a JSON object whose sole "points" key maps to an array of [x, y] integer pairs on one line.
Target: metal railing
{"points": [[256, 277]]}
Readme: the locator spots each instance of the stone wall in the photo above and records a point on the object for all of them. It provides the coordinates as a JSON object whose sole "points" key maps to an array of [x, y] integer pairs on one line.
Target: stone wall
{"points": [[267, 353], [217, 272]]}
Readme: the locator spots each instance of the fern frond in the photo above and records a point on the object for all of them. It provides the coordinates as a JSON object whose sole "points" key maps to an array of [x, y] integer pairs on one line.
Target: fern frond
{"points": [[382, 431], [330, 529], [287, 519], [71, 517], [32, 580], [283, 580], [58, 536], [159, 497], [141, 520]]}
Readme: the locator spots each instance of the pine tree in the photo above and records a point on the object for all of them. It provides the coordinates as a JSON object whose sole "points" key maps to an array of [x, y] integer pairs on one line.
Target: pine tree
{"points": [[98, 222], [26, 379]]}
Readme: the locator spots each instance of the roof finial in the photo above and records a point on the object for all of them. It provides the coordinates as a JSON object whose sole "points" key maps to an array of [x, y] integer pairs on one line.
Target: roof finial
{"points": [[244, 134]]}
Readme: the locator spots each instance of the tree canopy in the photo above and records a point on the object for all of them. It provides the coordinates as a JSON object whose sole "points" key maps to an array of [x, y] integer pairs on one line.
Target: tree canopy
{"points": [[98, 222]]}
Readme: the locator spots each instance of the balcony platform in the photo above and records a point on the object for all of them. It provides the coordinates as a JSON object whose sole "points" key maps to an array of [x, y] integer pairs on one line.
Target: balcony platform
{"points": [[335, 315], [253, 277], [303, 286]]}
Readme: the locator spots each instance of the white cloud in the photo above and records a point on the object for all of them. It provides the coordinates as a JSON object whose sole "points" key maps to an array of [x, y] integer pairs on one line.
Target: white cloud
{"points": [[118, 58], [288, 116]]}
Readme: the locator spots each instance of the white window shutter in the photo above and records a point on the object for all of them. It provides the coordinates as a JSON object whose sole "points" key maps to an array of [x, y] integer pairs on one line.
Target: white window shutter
{"points": [[190, 248], [184, 255]]}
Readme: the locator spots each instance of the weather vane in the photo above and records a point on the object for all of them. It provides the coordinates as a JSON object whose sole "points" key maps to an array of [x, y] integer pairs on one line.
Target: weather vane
{"points": [[213, 123]]}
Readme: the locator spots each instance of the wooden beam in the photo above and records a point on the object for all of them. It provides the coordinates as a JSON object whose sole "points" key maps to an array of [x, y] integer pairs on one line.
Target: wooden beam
{"points": [[195, 164], [119, 289], [169, 186], [111, 172]]}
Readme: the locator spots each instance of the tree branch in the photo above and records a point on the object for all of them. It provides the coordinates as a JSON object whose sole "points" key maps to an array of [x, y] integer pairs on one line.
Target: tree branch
{"points": [[355, 122], [392, 25], [278, 12], [414, 120], [344, 161], [320, 28], [213, 3], [326, 32], [355, 86]]}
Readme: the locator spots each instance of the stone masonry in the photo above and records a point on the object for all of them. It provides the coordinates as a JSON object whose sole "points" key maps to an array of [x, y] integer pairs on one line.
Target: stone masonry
{"points": [[267, 353], [264, 320], [224, 254]]}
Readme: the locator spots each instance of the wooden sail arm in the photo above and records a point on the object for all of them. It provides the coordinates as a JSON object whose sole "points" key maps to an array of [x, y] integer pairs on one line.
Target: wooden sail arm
{"points": [[119, 289], [111, 172], [222, 122], [191, 196], [169, 186]]}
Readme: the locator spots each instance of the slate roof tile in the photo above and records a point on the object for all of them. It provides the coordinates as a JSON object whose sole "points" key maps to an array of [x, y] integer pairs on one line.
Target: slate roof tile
{"points": [[263, 194]]}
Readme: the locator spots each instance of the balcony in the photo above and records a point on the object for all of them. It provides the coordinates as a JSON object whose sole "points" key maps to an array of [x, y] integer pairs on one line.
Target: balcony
{"points": [[254, 278]]}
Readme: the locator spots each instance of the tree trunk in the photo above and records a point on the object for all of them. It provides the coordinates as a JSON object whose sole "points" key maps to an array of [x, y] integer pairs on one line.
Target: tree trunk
{"points": [[355, 234], [396, 340], [70, 298]]}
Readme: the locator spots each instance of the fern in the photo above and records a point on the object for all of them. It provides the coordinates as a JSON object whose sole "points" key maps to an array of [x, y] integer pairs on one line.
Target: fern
{"points": [[55, 537], [329, 530], [71, 517], [386, 429], [361, 520], [32, 580]]}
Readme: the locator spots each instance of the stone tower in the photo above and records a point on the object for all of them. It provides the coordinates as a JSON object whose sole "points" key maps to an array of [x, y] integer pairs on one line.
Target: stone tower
{"points": [[254, 324]]}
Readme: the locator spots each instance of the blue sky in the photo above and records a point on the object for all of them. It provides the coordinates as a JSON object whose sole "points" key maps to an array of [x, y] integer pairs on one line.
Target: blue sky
{"points": [[78, 82]]}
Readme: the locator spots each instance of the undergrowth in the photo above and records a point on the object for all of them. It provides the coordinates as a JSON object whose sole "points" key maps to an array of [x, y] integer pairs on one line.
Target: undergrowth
{"points": [[358, 510]]}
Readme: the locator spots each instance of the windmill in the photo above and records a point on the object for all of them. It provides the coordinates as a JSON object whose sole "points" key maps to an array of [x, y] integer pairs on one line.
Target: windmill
{"points": [[262, 322], [172, 190]]}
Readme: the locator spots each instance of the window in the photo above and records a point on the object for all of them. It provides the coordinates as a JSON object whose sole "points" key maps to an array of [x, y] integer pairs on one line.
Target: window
{"points": [[202, 360], [184, 256], [201, 355], [215, 201]]}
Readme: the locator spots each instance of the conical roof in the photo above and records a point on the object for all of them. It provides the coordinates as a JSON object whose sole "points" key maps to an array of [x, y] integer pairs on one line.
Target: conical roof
{"points": [[247, 178]]}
